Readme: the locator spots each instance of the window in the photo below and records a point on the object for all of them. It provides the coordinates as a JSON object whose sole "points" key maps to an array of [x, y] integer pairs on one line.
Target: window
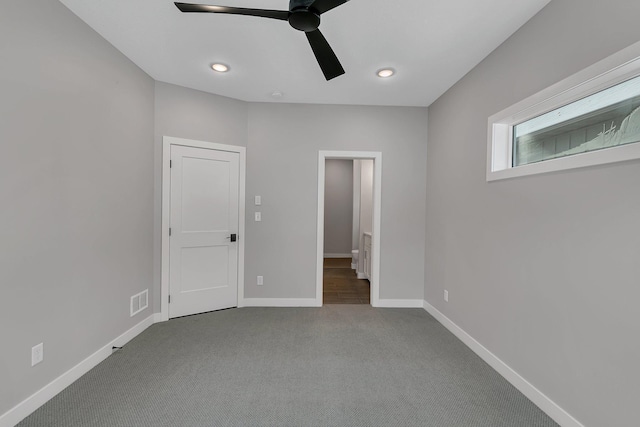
{"points": [[605, 119], [590, 118]]}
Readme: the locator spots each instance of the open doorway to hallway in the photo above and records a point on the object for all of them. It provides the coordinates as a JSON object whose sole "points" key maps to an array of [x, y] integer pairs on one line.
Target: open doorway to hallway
{"points": [[348, 214], [341, 285]]}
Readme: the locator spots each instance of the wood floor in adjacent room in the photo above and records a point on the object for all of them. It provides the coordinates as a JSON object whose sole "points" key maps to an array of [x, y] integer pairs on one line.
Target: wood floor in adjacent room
{"points": [[341, 284]]}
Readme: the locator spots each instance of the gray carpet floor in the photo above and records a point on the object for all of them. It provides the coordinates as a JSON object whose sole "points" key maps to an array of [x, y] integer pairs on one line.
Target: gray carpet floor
{"points": [[339, 365]]}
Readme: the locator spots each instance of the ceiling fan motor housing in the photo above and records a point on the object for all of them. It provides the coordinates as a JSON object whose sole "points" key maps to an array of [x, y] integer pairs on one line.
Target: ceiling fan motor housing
{"points": [[303, 18]]}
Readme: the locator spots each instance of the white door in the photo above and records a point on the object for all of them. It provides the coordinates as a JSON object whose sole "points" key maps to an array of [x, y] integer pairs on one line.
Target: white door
{"points": [[203, 251]]}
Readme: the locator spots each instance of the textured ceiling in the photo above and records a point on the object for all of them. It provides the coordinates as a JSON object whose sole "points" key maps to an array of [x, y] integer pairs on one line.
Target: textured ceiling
{"points": [[431, 44]]}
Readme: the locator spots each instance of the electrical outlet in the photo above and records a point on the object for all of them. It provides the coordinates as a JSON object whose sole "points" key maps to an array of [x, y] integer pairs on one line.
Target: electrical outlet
{"points": [[260, 280], [37, 354], [446, 295]]}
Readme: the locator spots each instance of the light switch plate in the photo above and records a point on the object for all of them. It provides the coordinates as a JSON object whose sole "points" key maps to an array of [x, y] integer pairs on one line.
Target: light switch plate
{"points": [[258, 200], [258, 217]]}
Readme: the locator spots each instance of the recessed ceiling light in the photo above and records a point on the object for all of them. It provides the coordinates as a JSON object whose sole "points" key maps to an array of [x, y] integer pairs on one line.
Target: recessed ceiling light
{"points": [[386, 72], [220, 68]]}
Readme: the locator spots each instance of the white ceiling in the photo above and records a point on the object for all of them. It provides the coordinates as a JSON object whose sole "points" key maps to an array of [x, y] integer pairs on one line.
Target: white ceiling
{"points": [[431, 44]]}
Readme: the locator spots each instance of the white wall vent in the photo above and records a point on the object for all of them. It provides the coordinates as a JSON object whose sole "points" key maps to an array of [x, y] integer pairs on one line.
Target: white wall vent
{"points": [[139, 302]]}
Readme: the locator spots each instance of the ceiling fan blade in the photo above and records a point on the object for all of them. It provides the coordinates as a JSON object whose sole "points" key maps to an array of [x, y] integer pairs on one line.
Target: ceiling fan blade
{"points": [[324, 54], [204, 8], [323, 6]]}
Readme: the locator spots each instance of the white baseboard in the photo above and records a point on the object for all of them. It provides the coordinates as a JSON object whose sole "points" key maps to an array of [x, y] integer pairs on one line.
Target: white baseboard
{"points": [[157, 318], [337, 255], [354, 265], [42, 396], [552, 409], [280, 302], [399, 303], [29, 405], [362, 276]]}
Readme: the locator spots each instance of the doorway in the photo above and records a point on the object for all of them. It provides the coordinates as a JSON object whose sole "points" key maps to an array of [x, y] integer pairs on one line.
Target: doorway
{"points": [[347, 216], [202, 227], [368, 265]]}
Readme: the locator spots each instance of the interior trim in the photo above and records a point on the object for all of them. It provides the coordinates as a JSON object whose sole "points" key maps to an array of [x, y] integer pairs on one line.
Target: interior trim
{"points": [[279, 302], [547, 405], [167, 142], [46, 393], [376, 156]]}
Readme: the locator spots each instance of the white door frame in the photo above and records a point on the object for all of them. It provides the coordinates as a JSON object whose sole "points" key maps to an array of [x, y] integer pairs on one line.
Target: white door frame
{"points": [[167, 142], [376, 156]]}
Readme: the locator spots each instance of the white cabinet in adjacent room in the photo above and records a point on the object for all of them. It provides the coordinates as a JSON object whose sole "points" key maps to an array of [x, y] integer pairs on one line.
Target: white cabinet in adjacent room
{"points": [[367, 255]]}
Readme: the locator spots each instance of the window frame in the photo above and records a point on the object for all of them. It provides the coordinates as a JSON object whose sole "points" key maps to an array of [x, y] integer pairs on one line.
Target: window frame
{"points": [[615, 69]]}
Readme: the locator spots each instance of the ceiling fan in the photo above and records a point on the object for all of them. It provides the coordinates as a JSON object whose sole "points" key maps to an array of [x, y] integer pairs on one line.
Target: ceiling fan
{"points": [[303, 15]]}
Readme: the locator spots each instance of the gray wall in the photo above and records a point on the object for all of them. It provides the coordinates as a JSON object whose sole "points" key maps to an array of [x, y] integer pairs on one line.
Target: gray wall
{"points": [[282, 159], [282, 168], [190, 114], [338, 206], [542, 270], [76, 183]]}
